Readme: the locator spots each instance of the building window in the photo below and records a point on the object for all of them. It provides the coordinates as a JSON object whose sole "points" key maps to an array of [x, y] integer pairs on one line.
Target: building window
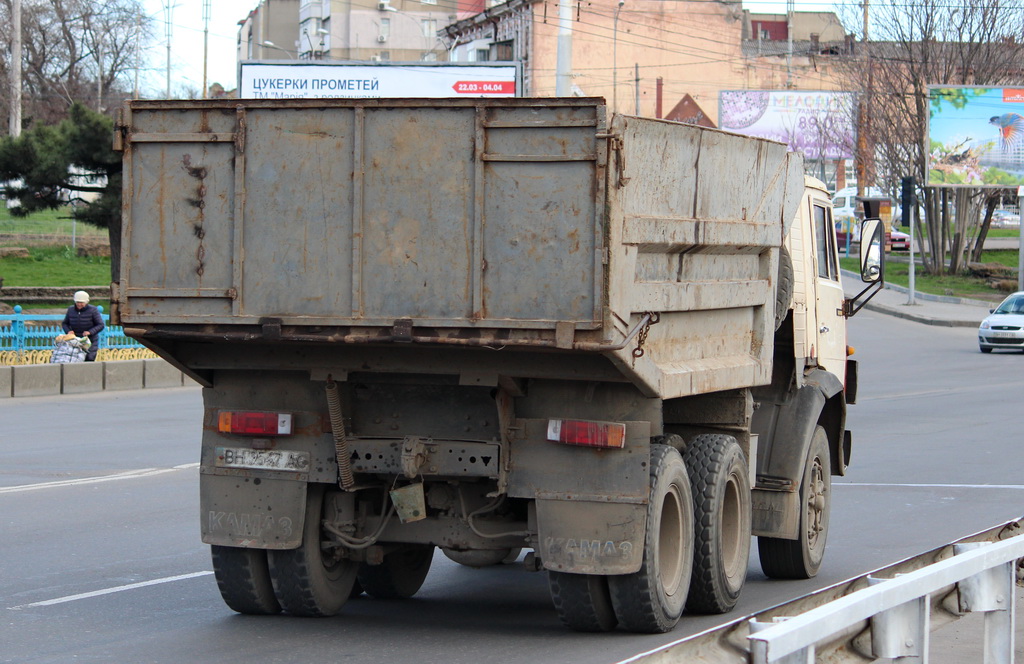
{"points": [[385, 55], [503, 51], [429, 26], [385, 29], [482, 55], [429, 2]]}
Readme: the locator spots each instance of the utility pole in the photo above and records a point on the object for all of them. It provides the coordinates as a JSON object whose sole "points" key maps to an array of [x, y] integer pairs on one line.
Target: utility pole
{"points": [[138, 52], [636, 73], [563, 75], [790, 7], [615, 56], [1020, 241], [206, 44], [168, 31], [15, 73], [864, 146]]}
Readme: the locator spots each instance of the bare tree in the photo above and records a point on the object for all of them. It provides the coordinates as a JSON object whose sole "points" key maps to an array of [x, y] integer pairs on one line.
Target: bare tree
{"points": [[915, 45], [73, 50]]}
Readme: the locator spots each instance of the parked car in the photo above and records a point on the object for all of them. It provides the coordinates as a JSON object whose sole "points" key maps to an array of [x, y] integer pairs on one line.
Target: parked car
{"points": [[1005, 219], [899, 241], [1004, 328]]}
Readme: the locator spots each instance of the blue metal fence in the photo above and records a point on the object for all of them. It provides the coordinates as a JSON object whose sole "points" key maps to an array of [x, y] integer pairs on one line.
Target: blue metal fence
{"points": [[25, 332]]}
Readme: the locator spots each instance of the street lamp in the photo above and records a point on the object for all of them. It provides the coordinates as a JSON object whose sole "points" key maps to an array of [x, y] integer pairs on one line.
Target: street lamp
{"points": [[269, 44], [615, 61], [314, 53]]}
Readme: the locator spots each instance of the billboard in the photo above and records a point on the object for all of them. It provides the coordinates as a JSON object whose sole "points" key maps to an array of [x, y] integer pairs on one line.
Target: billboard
{"points": [[334, 80], [976, 136], [817, 124]]}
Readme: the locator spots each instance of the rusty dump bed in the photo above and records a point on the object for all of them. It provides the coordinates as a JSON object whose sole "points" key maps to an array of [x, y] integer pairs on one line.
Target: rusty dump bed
{"points": [[513, 222]]}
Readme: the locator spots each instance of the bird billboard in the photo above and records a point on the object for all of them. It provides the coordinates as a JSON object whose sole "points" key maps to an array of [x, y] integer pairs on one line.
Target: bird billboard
{"points": [[976, 136]]}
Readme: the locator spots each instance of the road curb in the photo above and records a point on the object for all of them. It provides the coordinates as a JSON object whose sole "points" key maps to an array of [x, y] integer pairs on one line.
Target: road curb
{"points": [[918, 318], [30, 380]]}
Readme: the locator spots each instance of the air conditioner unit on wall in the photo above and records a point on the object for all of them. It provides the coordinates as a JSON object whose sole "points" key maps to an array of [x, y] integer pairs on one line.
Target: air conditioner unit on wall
{"points": [[384, 6], [381, 39], [375, 58]]}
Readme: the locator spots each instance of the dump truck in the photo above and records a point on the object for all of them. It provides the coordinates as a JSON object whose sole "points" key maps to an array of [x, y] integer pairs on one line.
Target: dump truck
{"points": [[517, 330]]}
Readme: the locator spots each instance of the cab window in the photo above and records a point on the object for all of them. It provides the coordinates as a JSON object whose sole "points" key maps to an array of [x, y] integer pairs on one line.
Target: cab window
{"points": [[825, 242]]}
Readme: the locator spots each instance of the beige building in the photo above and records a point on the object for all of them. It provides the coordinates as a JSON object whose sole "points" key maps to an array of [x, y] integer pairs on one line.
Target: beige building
{"points": [[620, 51], [350, 30], [269, 32]]}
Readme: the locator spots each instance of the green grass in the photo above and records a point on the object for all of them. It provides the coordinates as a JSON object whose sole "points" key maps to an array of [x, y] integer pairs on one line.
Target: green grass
{"points": [[45, 222], [55, 266], [957, 285], [1003, 232]]}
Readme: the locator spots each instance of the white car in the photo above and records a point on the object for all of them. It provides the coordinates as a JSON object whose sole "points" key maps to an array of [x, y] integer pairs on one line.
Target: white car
{"points": [[1004, 327]]}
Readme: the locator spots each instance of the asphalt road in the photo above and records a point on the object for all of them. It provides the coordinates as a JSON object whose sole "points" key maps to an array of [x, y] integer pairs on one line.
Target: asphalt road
{"points": [[100, 557]]}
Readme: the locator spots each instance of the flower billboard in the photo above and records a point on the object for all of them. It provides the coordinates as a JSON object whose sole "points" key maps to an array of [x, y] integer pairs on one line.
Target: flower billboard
{"points": [[817, 124], [976, 136]]}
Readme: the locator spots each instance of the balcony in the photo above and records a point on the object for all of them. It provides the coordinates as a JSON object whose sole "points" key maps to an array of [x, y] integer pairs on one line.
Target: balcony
{"points": [[311, 10]]}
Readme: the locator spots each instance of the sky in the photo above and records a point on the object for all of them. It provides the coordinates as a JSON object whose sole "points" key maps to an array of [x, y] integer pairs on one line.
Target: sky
{"points": [[187, 40], [187, 44]]}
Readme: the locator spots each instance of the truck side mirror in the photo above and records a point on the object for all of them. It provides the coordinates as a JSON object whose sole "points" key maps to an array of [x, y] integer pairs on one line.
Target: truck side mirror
{"points": [[872, 257], [872, 265]]}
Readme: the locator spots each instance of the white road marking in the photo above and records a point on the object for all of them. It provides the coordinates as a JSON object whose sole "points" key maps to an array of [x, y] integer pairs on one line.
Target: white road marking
{"points": [[128, 475], [108, 591], [935, 486]]}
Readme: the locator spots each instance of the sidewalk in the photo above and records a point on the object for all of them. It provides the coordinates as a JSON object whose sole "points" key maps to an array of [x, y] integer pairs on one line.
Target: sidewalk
{"points": [[928, 309]]}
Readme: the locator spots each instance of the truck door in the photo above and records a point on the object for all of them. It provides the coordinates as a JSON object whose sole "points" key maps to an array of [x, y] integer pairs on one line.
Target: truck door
{"points": [[831, 333]]}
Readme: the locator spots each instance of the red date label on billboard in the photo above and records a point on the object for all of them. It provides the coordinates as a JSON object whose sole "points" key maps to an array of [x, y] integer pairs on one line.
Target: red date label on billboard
{"points": [[485, 87]]}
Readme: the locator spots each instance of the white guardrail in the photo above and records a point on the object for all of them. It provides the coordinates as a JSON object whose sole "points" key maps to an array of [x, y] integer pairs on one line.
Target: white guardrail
{"points": [[899, 608], [887, 614]]}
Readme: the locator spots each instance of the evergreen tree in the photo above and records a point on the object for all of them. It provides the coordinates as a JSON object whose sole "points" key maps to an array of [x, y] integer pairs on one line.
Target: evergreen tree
{"points": [[49, 166]]}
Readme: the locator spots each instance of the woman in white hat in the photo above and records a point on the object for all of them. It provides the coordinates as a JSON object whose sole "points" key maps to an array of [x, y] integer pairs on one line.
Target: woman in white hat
{"points": [[84, 320]]}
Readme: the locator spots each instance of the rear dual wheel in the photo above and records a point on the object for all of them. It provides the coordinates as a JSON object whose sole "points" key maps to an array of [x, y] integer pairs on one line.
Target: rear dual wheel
{"points": [[721, 501], [314, 579], [244, 580], [582, 601], [651, 600], [401, 574]]}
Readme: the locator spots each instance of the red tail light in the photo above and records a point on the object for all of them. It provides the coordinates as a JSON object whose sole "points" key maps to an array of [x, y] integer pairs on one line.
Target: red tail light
{"points": [[255, 423], [588, 434]]}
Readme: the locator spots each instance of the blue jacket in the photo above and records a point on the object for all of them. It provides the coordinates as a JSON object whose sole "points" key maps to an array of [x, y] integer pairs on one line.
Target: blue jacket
{"points": [[89, 319]]}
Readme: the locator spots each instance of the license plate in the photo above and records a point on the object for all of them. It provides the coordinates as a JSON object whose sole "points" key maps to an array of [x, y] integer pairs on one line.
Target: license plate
{"points": [[243, 457], [1004, 335]]}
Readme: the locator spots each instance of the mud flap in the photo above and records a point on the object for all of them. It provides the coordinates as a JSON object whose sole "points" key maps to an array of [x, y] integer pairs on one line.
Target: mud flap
{"points": [[252, 512], [586, 537], [775, 513]]}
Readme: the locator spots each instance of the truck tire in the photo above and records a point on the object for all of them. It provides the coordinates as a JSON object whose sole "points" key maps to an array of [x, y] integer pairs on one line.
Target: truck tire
{"points": [[582, 601], [784, 287], [401, 574], [652, 599], [801, 558], [311, 580], [244, 580], [721, 502]]}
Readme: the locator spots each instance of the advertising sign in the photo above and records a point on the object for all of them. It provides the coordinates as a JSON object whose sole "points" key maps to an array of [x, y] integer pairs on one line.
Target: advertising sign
{"points": [[817, 124], [320, 80], [976, 136]]}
